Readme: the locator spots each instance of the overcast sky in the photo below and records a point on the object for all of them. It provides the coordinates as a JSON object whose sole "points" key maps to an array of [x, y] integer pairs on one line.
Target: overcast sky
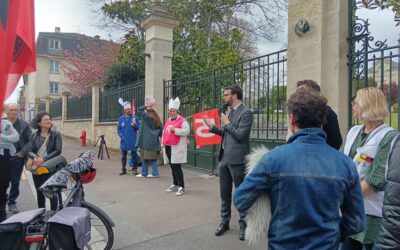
{"points": [[78, 16]]}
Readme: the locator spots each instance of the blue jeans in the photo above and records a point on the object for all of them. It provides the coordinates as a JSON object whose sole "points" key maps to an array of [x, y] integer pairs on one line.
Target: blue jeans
{"points": [[133, 157], [16, 165], [145, 167]]}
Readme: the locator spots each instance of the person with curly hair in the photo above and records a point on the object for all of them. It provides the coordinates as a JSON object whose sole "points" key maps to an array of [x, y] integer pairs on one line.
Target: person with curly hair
{"points": [[46, 143], [309, 190]]}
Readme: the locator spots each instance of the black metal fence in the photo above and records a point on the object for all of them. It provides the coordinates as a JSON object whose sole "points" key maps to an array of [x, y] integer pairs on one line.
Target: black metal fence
{"points": [[372, 63], [55, 108], [79, 107], [110, 109], [264, 83]]}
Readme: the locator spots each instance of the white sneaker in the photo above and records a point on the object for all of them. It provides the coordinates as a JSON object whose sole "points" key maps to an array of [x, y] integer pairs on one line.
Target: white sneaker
{"points": [[172, 188], [140, 175], [150, 176], [181, 191]]}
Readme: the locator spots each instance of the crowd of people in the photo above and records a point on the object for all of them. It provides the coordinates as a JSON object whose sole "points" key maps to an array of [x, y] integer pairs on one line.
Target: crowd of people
{"points": [[16, 142], [315, 192]]}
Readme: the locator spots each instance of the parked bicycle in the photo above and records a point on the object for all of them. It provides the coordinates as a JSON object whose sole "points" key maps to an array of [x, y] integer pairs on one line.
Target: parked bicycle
{"points": [[36, 225]]}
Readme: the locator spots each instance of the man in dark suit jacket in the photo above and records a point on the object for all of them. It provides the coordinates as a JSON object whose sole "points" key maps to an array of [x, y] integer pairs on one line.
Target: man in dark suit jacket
{"points": [[235, 132]]}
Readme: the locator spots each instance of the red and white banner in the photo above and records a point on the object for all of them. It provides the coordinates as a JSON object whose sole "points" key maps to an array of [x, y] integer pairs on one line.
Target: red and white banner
{"points": [[201, 134], [17, 44]]}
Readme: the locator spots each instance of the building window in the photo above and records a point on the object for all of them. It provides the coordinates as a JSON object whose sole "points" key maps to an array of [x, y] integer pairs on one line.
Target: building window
{"points": [[54, 44], [54, 66], [53, 88]]}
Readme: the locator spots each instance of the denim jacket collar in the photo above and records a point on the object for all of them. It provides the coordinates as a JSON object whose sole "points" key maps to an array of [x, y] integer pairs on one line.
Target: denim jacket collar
{"points": [[308, 135]]}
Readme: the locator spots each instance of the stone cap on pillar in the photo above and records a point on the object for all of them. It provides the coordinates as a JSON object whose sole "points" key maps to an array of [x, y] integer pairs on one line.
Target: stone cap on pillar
{"points": [[66, 93], [159, 16]]}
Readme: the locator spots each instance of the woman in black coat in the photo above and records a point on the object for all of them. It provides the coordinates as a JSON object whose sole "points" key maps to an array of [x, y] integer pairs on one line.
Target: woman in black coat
{"points": [[44, 134]]}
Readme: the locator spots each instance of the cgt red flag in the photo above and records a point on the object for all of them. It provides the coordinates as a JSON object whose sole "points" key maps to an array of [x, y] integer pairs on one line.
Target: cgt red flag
{"points": [[17, 44], [201, 134]]}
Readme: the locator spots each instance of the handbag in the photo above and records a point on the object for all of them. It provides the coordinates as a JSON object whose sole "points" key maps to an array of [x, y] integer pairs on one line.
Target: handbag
{"points": [[41, 152]]}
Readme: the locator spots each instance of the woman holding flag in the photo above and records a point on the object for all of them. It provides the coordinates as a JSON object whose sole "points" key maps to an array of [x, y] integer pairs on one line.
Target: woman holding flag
{"points": [[176, 130]]}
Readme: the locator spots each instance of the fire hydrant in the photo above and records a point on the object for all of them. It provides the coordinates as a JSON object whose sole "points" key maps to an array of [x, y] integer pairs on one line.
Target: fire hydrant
{"points": [[83, 137]]}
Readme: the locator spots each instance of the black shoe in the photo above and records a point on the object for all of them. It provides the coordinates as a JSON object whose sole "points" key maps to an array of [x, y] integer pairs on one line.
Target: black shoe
{"points": [[242, 233], [222, 228], [123, 172]]}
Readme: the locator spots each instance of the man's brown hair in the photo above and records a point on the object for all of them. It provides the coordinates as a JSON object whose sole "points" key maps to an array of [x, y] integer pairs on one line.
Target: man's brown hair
{"points": [[308, 107]]}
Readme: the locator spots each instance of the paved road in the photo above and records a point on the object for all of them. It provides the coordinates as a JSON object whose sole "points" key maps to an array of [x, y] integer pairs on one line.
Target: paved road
{"points": [[147, 217]]}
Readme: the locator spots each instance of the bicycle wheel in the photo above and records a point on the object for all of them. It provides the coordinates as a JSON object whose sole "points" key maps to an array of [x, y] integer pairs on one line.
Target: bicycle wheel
{"points": [[102, 234]]}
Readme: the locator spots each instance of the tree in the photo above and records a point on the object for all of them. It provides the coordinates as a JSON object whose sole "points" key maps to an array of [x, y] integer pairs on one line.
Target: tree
{"points": [[211, 33], [119, 75], [390, 91], [384, 4], [86, 64]]}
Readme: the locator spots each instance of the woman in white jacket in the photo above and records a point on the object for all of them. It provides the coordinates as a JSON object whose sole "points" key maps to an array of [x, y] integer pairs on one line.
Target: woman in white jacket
{"points": [[176, 130]]}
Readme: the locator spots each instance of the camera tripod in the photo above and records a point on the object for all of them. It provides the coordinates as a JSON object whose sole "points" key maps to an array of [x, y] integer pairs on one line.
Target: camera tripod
{"points": [[103, 146]]}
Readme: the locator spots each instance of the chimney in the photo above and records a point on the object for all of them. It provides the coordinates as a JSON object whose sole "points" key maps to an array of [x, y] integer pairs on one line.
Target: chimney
{"points": [[97, 36], [57, 29]]}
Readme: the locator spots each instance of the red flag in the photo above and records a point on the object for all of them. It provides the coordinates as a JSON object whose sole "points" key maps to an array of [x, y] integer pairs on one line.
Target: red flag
{"points": [[201, 134], [17, 44], [133, 106]]}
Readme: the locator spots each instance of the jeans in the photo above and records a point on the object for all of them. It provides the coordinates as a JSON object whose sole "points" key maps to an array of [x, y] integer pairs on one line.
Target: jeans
{"points": [[177, 173], [133, 157], [38, 180], [17, 165], [145, 167]]}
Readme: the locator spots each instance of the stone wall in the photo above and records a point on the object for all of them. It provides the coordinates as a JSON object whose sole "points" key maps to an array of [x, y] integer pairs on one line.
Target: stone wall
{"points": [[73, 129]]}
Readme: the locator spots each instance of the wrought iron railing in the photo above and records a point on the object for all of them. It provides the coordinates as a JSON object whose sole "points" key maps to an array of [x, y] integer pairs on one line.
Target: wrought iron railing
{"points": [[110, 109], [372, 63], [264, 83], [55, 108], [79, 107]]}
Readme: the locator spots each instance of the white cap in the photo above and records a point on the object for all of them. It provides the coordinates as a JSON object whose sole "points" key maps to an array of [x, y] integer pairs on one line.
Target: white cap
{"points": [[126, 104], [174, 104]]}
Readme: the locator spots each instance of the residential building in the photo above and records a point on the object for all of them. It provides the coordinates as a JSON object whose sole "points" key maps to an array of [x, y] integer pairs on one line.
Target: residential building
{"points": [[49, 81]]}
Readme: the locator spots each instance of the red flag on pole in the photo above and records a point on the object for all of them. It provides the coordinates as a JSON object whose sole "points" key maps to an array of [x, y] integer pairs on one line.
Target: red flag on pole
{"points": [[133, 106], [201, 134], [17, 44]]}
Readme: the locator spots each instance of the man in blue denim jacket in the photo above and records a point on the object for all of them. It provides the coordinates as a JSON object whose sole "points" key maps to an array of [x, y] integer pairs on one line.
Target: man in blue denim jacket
{"points": [[314, 190]]}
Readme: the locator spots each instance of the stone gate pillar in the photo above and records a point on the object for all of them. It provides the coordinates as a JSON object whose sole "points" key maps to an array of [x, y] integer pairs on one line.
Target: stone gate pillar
{"points": [[158, 54], [320, 53], [95, 112]]}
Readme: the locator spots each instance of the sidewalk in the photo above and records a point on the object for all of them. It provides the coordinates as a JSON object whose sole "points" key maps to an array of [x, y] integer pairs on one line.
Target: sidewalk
{"points": [[146, 216]]}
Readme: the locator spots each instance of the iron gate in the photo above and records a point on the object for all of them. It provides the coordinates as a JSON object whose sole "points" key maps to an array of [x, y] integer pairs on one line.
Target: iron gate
{"points": [[372, 63], [264, 83]]}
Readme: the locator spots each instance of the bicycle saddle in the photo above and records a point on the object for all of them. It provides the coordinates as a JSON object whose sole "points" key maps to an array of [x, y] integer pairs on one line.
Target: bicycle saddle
{"points": [[57, 181]]}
